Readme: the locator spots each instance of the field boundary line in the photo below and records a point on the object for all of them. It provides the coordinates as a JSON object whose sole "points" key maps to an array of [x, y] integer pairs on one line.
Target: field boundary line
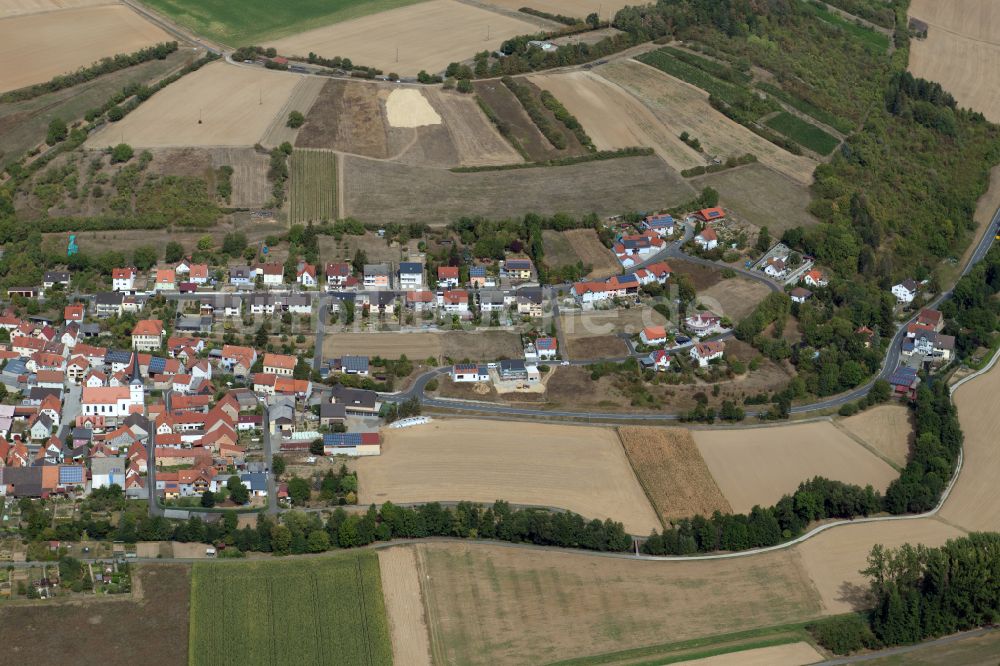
{"points": [[638, 477], [862, 442]]}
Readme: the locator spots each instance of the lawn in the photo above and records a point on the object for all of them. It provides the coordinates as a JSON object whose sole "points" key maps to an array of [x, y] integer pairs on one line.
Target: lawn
{"points": [[803, 133], [254, 21], [313, 186], [326, 610]]}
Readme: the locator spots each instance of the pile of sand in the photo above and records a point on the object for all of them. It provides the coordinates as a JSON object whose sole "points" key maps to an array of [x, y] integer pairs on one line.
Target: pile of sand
{"points": [[406, 107]]}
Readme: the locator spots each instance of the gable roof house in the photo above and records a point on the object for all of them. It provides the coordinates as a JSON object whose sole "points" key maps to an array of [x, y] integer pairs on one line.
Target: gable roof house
{"points": [[704, 352], [166, 280], [707, 239], [147, 335], [123, 279], [411, 275], [905, 291], [53, 278]]}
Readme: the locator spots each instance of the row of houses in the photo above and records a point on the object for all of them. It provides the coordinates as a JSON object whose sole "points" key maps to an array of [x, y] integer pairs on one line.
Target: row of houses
{"points": [[589, 293]]}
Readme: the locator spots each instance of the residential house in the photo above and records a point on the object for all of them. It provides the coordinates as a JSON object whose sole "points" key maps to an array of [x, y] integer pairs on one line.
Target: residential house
{"points": [[420, 301], [658, 360], [710, 214], [108, 304], [707, 239], [337, 275], [661, 225], [354, 365], [221, 305], [653, 335], [493, 300], [299, 304], [330, 414], [166, 280], [815, 278], [239, 360], [529, 302], [905, 291], [123, 279], [377, 276], [447, 277], [261, 304], [357, 401], [933, 319], [800, 295], [703, 323], [305, 275], [517, 370], [273, 274], [281, 365], [454, 301], [242, 276], [775, 267], [629, 249], [517, 269], [470, 372], [703, 353], [479, 278], [53, 278], [411, 275], [547, 348], [73, 312], [147, 335]]}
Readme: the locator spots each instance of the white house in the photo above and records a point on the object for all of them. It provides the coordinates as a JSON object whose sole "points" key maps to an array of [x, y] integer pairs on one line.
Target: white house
{"points": [[273, 274], [704, 352], [653, 335], [411, 275], [775, 267], [703, 323], [306, 275], [469, 372], [905, 291], [147, 335], [123, 279], [547, 348], [454, 301], [707, 239], [661, 225], [659, 360], [815, 278]]}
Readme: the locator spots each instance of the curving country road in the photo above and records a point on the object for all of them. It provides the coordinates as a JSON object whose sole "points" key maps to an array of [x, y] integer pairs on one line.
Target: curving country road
{"points": [[889, 364]]}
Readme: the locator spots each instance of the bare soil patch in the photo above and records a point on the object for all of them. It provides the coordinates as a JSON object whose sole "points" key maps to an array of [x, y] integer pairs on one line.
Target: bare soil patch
{"points": [[961, 51], [734, 297], [476, 140], [762, 196], [92, 630], [592, 323], [36, 47], [615, 119], [790, 654], [481, 345], [599, 346], [251, 188], [974, 503], [415, 194], [564, 248], [758, 465], [407, 107], [887, 428], [376, 249], [702, 277], [346, 117], [235, 106], [428, 35], [682, 107], [508, 109], [834, 559], [404, 606], [478, 346], [673, 473], [576, 468], [506, 605]]}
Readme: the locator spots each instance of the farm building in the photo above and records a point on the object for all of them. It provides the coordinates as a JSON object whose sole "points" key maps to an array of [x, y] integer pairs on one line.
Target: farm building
{"points": [[352, 444]]}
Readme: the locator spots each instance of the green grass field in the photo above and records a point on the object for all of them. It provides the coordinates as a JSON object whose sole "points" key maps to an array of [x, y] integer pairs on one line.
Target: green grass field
{"points": [[254, 21], [836, 122], [666, 61], [803, 133], [873, 38], [313, 178], [326, 610]]}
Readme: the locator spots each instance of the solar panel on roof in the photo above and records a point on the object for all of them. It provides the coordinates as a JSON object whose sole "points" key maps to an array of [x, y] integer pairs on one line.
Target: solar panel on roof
{"points": [[70, 475], [157, 365], [342, 439]]}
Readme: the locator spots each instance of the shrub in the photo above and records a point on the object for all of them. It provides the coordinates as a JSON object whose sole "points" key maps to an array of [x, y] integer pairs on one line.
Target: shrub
{"points": [[295, 119], [844, 634]]}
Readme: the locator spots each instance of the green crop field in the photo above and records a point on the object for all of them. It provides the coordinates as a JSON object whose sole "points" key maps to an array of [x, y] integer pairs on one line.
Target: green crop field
{"points": [[836, 122], [326, 610], [313, 183], [254, 21], [873, 38], [803, 133]]}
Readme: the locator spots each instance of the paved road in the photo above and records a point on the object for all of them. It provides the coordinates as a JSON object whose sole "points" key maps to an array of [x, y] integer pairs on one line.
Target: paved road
{"points": [[272, 485], [321, 315], [71, 409]]}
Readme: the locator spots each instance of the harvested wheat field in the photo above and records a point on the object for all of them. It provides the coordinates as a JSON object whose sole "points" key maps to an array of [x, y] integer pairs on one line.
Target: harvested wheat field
{"points": [[682, 107], [577, 468], [575, 8], [759, 465], [234, 104], [20, 7], [36, 47], [377, 190], [251, 188], [404, 605], [974, 503], [790, 654], [614, 119], [428, 36], [961, 52], [673, 473], [302, 99], [762, 196], [887, 428], [833, 559], [491, 604], [734, 297], [475, 139], [346, 117]]}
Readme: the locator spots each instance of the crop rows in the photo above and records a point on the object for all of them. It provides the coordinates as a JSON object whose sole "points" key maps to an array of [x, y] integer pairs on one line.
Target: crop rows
{"points": [[319, 611], [313, 186], [803, 133], [666, 62]]}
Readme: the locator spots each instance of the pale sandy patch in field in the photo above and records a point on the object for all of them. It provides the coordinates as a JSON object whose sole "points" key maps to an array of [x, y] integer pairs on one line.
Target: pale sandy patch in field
{"points": [[887, 428], [834, 559], [962, 50], [614, 119], [404, 605], [759, 465], [20, 7], [570, 467], [682, 107], [234, 104], [407, 107], [974, 502], [428, 36], [792, 654], [36, 47]]}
